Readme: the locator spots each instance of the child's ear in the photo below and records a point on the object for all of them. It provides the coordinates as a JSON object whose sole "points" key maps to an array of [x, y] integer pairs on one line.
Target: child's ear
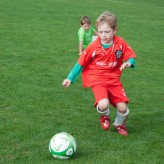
{"points": [[115, 30]]}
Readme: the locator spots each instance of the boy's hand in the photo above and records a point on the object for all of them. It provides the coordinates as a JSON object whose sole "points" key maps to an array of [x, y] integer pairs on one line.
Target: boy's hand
{"points": [[125, 65], [66, 83]]}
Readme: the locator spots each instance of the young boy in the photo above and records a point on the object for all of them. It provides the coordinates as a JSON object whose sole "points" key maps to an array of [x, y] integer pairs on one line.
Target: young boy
{"points": [[85, 33], [101, 64]]}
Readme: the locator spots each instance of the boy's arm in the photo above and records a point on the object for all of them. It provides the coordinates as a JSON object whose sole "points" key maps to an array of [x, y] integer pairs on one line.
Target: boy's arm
{"points": [[74, 74], [96, 33], [130, 63], [80, 47], [81, 40], [83, 60]]}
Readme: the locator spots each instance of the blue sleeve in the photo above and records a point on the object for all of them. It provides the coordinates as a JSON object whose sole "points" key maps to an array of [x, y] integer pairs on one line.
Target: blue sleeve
{"points": [[74, 74], [132, 61]]}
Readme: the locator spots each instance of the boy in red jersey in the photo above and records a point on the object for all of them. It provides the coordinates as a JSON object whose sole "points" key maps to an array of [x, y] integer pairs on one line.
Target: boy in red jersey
{"points": [[101, 64]]}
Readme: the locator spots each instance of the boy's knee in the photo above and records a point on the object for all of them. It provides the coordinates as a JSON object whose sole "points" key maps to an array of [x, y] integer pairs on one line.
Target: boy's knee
{"points": [[103, 104], [121, 107]]}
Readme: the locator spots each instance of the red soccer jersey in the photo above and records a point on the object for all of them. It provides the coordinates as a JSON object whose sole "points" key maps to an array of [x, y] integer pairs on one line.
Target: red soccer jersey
{"points": [[101, 66]]}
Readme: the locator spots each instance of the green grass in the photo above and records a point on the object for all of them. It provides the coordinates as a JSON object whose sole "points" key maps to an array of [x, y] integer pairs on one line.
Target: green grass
{"points": [[39, 47]]}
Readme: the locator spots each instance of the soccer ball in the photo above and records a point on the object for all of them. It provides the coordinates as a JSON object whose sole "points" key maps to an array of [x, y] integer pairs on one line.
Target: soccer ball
{"points": [[62, 146]]}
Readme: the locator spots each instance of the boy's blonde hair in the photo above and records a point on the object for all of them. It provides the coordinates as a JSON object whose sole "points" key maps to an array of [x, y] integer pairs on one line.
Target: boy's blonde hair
{"points": [[85, 20], [109, 18]]}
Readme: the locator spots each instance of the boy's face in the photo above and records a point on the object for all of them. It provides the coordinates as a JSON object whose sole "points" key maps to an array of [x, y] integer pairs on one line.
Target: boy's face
{"points": [[86, 26], [106, 33]]}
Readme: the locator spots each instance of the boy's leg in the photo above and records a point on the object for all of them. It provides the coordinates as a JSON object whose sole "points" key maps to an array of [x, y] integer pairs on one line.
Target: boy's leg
{"points": [[119, 100], [121, 117], [103, 110], [102, 105]]}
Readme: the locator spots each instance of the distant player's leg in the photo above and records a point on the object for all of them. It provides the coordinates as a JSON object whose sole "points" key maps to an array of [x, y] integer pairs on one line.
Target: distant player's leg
{"points": [[102, 105], [121, 117]]}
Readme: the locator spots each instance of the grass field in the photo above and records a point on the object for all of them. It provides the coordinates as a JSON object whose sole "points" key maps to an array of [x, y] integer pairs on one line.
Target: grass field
{"points": [[38, 48]]}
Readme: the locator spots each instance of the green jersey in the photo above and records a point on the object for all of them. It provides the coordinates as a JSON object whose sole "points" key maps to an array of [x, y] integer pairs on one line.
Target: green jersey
{"points": [[85, 36]]}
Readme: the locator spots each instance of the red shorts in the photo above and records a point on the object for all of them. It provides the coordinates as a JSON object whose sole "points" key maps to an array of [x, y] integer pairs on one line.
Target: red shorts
{"points": [[115, 94]]}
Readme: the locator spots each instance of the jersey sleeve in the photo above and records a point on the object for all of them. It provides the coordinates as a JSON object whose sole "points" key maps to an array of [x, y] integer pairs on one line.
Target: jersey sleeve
{"points": [[132, 61], [128, 51], [74, 74], [83, 60], [86, 56]]}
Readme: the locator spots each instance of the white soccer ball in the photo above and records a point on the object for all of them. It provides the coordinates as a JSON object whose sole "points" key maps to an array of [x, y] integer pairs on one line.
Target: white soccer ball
{"points": [[62, 146]]}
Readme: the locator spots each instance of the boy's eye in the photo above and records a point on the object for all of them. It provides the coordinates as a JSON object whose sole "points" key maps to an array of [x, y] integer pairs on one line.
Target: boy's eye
{"points": [[106, 32]]}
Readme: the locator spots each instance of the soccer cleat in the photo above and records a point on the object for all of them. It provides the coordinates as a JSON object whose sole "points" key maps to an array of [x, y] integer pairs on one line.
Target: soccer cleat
{"points": [[121, 129], [105, 122]]}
